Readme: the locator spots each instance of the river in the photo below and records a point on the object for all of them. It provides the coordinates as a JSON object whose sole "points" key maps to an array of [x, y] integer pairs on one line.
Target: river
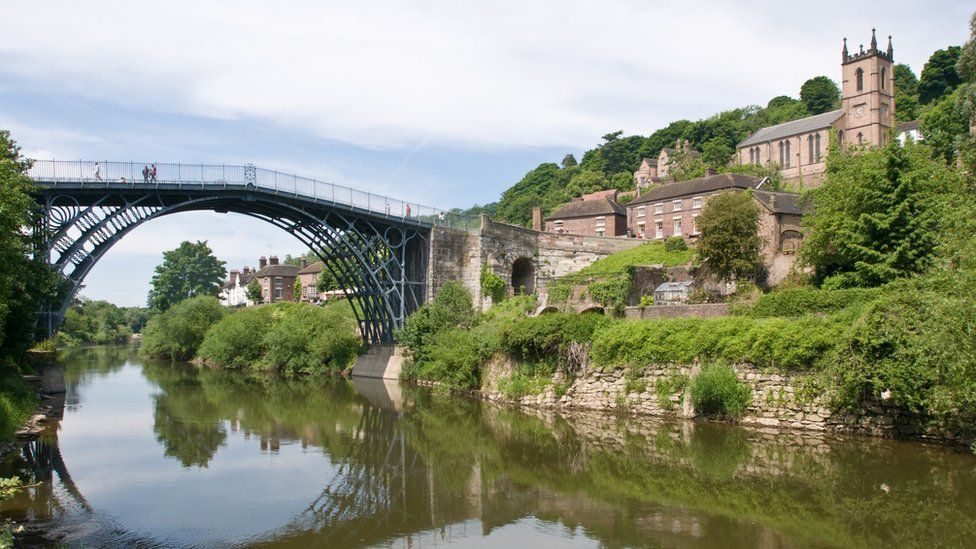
{"points": [[167, 455]]}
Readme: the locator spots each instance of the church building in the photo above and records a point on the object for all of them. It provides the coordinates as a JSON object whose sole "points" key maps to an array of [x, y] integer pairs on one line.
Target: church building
{"points": [[866, 118]]}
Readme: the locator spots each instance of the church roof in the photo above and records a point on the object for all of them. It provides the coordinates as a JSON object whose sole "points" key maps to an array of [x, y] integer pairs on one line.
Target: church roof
{"points": [[786, 129], [781, 202], [587, 208]]}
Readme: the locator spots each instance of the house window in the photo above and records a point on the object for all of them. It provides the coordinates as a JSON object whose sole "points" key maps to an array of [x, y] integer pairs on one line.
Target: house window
{"points": [[677, 226], [640, 229], [659, 208], [640, 211], [818, 147], [601, 225], [694, 224], [676, 205], [659, 228], [788, 154], [696, 203], [859, 77], [558, 225]]}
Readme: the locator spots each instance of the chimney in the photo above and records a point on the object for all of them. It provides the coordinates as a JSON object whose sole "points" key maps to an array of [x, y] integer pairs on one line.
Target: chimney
{"points": [[273, 260], [304, 262], [262, 262], [234, 273], [537, 218]]}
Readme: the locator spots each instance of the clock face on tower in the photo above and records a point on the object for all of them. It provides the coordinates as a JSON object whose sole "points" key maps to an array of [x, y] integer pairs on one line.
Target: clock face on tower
{"points": [[859, 111]]}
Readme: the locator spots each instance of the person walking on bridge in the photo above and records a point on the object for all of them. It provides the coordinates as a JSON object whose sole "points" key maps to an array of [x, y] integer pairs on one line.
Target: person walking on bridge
{"points": [[97, 172], [152, 173], [145, 174]]}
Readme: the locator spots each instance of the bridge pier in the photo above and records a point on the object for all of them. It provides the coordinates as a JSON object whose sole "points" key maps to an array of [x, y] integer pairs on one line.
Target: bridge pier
{"points": [[381, 361]]}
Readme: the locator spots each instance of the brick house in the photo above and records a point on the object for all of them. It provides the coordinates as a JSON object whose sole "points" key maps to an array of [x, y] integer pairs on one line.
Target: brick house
{"points": [[597, 214], [798, 149], [673, 209], [277, 281], [234, 292], [308, 275], [656, 170]]}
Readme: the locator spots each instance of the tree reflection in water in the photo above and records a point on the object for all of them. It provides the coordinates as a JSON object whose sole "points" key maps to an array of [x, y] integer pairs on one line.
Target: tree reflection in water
{"points": [[419, 466]]}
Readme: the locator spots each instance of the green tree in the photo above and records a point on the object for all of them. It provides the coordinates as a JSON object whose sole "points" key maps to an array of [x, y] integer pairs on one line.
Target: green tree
{"points": [[569, 161], [253, 291], [25, 279], [716, 153], [873, 220], [730, 246], [943, 123], [906, 93], [177, 333], [451, 308], [939, 76], [187, 271], [820, 94], [297, 290]]}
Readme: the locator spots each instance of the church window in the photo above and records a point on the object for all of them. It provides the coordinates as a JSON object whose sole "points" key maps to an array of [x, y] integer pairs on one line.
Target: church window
{"points": [[781, 153], [818, 147], [809, 149], [860, 138], [840, 137], [859, 77], [752, 156], [788, 155], [884, 77]]}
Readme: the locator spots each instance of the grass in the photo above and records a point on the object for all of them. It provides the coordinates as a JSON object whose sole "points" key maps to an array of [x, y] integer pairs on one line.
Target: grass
{"points": [[651, 253]]}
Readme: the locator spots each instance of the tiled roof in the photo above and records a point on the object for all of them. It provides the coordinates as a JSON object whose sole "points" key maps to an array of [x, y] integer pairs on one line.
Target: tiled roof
{"points": [[587, 208], [311, 268], [608, 194], [277, 270], [780, 202], [786, 129], [697, 186], [908, 126]]}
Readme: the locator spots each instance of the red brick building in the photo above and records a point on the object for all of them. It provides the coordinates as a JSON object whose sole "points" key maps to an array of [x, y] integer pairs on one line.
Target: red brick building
{"points": [[597, 214], [277, 281]]}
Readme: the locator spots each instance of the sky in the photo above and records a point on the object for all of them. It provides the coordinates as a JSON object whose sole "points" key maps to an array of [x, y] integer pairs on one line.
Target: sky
{"points": [[442, 103]]}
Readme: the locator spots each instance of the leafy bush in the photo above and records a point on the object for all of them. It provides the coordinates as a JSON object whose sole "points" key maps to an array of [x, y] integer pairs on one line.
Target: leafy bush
{"points": [[308, 339], [805, 300], [771, 342], [716, 391], [665, 388], [291, 338], [452, 307], [492, 285], [177, 333], [546, 337], [17, 402], [455, 358], [675, 244]]}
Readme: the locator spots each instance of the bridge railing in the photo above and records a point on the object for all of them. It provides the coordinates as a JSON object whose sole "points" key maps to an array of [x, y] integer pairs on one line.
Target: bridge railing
{"points": [[130, 174]]}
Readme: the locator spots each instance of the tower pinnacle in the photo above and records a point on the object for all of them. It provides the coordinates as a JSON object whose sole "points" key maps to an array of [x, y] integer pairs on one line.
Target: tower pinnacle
{"points": [[891, 51], [874, 40], [843, 52]]}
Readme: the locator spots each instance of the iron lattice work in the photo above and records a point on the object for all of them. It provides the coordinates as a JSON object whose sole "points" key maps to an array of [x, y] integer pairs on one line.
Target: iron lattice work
{"points": [[379, 257]]}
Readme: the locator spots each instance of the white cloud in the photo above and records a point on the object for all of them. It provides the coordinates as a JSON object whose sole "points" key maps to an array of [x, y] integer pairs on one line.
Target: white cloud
{"points": [[508, 73]]}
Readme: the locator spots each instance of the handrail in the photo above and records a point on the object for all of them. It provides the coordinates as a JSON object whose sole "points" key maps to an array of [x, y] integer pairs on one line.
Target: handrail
{"points": [[112, 174]]}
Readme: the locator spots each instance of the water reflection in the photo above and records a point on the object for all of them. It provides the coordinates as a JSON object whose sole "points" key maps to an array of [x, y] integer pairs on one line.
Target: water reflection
{"points": [[227, 458]]}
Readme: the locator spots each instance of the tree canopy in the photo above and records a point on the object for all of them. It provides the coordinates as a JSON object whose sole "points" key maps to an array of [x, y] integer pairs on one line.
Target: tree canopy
{"points": [[820, 94], [187, 271], [730, 246], [939, 76]]}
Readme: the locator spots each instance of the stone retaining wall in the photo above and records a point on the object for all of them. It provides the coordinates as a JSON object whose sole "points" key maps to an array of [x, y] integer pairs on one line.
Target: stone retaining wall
{"points": [[779, 400], [701, 310]]}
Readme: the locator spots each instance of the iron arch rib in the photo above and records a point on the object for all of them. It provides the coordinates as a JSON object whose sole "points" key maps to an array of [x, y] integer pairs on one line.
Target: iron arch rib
{"points": [[380, 262]]}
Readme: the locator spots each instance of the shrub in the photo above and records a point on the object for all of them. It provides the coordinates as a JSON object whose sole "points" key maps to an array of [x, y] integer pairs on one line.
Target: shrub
{"points": [[236, 341], [492, 285], [177, 333], [665, 388], [546, 337], [806, 300], [455, 358], [308, 339], [675, 244], [520, 384], [452, 307], [716, 391]]}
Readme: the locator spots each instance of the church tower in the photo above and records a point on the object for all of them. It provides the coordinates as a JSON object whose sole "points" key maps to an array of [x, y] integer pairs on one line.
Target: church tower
{"points": [[867, 94]]}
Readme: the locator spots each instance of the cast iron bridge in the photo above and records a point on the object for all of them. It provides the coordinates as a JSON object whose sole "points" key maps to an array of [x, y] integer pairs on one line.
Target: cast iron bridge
{"points": [[376, 247]]}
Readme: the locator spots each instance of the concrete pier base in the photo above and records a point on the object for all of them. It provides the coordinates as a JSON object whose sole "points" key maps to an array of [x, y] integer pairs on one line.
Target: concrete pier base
{"points": [[381, 361]]}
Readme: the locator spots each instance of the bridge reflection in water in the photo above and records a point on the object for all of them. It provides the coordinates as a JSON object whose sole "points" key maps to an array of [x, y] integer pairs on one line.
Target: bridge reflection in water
{"points": [[408, 467]]}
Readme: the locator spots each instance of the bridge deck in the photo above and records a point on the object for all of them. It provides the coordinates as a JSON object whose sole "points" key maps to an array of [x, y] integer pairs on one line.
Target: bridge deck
{"points": [[81, 174]]}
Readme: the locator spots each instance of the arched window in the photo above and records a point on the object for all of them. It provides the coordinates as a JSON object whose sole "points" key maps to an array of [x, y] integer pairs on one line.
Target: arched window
{"points": [[781, 151], [818, 147], [884, 77], [859, 77], [840, 136], [788, 155], [752, 156], [810, 149], [860, 138]]}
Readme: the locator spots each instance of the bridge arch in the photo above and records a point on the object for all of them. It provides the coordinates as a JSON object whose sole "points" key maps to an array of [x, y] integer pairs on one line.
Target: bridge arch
{"points": [[380, 258], [523, 276]]}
